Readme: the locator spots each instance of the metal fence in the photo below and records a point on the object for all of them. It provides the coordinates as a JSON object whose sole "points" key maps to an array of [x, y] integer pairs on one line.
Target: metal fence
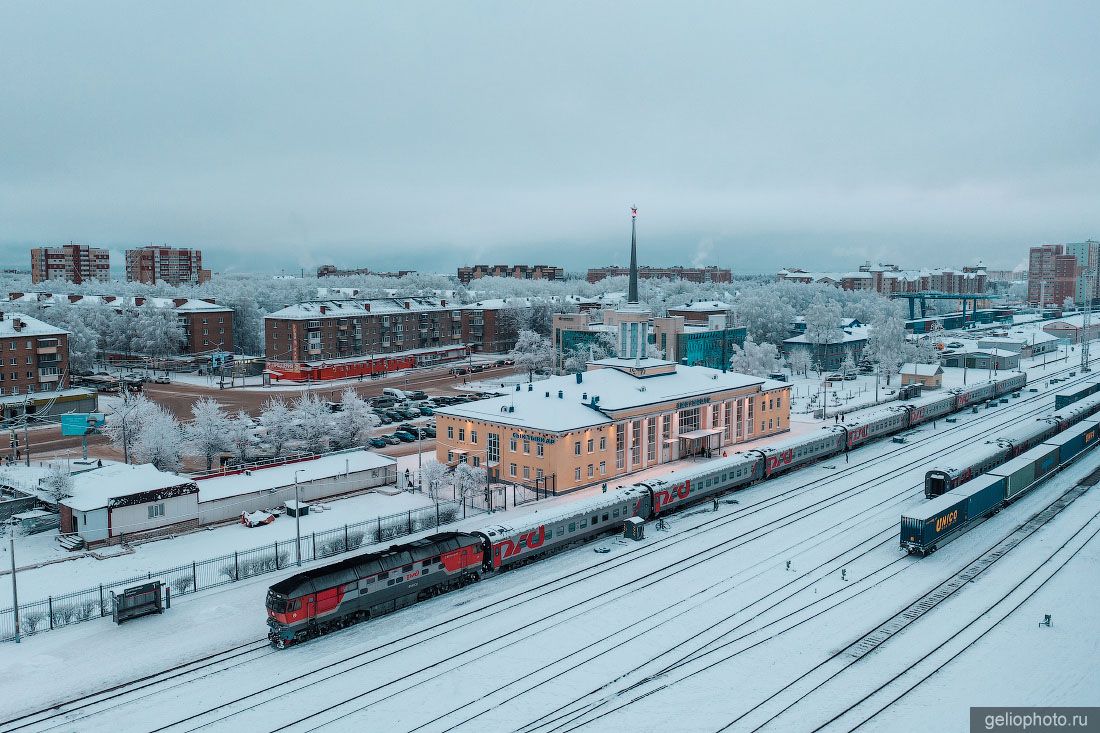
{"points": [[95, 602]]}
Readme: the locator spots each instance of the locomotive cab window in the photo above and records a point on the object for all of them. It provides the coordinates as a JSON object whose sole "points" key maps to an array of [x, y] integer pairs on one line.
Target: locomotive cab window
{"points": [[425, 563], [572, 526], [407, 569]]}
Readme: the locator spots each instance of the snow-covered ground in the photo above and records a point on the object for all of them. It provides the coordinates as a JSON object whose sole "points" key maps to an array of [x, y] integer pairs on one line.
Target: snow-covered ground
{"points": [[76, 574], [729, 617]]}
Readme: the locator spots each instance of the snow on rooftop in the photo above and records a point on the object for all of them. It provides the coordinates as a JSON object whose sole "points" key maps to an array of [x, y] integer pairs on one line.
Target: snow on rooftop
{"points": [[119, 301], [261, 479], [358, 307], [29, 326], [921, 370], [853, 334], [95, 488], [531, 408]]}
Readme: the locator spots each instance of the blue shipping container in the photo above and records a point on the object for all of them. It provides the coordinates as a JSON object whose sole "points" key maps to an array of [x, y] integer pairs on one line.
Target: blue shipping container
{"points": [[924, 525], [983, 495]]}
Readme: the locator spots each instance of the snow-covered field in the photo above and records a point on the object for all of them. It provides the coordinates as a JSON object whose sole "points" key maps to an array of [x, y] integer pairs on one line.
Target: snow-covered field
{"points": [[729, 620]]}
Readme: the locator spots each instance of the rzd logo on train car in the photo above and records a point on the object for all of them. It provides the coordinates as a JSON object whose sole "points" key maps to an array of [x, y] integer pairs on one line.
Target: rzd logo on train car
{"points": [[664, 497], [946, 521], [530, 541], [916, 415], [782, 458], [857, 434]]}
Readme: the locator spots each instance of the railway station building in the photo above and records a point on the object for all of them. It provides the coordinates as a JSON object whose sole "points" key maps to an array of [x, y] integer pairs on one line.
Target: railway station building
{"points": [[617, 417]]}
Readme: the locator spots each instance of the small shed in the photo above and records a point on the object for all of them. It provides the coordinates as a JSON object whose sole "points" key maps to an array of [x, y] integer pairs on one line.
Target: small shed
{"points": [[296, 509], [634, 528], [118, 499], [929, 376]]}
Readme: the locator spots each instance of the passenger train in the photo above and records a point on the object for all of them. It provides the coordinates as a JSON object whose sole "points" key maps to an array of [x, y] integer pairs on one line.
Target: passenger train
{"points": [[322, 599]]}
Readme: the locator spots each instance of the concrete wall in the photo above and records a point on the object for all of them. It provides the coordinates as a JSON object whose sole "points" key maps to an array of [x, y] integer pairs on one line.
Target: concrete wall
{"points": [[230, 507], [130, 519]]}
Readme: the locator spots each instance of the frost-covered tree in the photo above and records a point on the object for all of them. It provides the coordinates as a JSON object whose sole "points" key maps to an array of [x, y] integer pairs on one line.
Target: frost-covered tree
{"points": [[240, 437], [576, 359], [275, 419], [352, 424], [533, 352], [848, 366], [766, 318], [799, 362], [432, 476], [124, 426], [83, 341], [159, 332], [209, 431], [159, 440], [57, 483], [469, 481], [313, 421], [886, 346], [753, 358]]}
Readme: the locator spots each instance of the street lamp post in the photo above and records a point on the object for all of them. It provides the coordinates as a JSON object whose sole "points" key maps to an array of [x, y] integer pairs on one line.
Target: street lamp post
{"points": [[297, 521]]}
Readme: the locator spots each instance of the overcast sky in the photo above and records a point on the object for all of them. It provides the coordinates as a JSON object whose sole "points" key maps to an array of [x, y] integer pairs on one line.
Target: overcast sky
{"points": [[427, 135]]}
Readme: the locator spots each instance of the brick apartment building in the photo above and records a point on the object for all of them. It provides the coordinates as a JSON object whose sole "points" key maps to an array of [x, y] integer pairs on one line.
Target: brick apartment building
{"points": [[172, 265], [207, 326], [336, 329], [334, 271], [75, 263], [338, 339], [887, 279], [1060, 272], [711, 274], [468, 274], [35, 355]]}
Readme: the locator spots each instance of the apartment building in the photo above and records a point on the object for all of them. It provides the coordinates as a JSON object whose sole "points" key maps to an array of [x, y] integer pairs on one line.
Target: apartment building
{"points": [[468, 274], [75, 263], [172, 265], [35, 355], [711, 274]]}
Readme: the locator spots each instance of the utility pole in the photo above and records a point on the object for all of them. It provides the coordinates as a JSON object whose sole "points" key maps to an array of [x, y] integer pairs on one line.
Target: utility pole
{"points": [[14, 588]]}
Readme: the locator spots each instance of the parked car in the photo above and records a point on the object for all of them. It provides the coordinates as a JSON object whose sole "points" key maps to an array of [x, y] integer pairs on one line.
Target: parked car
{"points": [[408, 414], [163, 379], [405, 436], [459, 371], [416, 395], [955, 344], [850, 377], [377, 443], [426, 411], [391, 439], [834, 378], [133, 377], [429, 431]]}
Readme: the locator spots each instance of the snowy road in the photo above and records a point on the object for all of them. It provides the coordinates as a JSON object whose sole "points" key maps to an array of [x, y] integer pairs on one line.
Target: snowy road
{"points": [[697, 628]]}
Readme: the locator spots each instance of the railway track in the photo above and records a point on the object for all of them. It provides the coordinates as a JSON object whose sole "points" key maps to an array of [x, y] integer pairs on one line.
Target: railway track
{"points": [[195, 667], [842, 660], [334, 674]]}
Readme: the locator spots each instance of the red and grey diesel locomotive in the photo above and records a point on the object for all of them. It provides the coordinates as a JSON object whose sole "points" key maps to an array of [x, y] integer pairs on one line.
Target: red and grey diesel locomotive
{"points": [[319, 600]]}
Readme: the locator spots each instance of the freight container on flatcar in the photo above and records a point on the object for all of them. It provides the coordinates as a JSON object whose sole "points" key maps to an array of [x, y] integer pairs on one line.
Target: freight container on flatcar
{"points": [[1073, 394], [923, 526], [1024, 470], [1071, 442], [983, 495]]}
